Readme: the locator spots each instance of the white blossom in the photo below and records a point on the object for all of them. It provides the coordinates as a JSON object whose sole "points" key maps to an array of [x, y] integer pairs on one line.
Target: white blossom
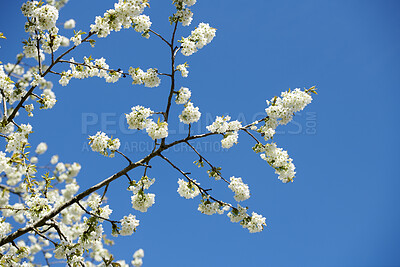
{"points": [[190, 114], [101, 142], [255, 223], [41, 148], [199, 37], [240, 189], [69, 24], [188, 189], [138, 118], [183, 69], [129, 224], [157, 130], [183, 95], [142, 201], [229, 139]]}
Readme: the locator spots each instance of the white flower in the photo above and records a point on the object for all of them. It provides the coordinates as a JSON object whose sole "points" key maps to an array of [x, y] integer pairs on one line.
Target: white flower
{"points": [[46, 17], [138, 118], [208, 208], [142, 24], [190, 114], [41, 148], [54, 159], [144, 183], [187, 189], [142, 201], [137, 262], [281, 110], [240, 189], [17, 140], [234, 126], [5, 227], [157, 130], [278, 159], [34, 160], [29, 108], [129, 224], [183, 95], [138, 254], [65, 78], [69, 24], [149, 78], [255, 223], [183, 69], [64, 41], [123, 14], [199, 37], [229, 139], [101, 142], [76, 39], [220, 125], [238, 214]]}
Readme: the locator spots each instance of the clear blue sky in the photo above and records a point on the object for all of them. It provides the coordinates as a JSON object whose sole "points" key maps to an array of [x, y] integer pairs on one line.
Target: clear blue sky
{"points": [[342, 209]]}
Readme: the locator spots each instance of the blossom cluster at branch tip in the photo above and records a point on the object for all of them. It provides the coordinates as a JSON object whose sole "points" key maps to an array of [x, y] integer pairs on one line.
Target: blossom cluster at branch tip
{"points": [[141, 201], [188, 189], [281, 110], [126, 14], [278, 159], [128, 225], [199, 37], [240, 189], [190, 114], [42, 17], [254, 223], [101, 142], [183, 14]]}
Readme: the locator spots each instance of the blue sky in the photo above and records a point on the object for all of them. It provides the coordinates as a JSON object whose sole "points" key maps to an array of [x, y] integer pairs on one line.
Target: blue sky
{"points": [[342, 209]]}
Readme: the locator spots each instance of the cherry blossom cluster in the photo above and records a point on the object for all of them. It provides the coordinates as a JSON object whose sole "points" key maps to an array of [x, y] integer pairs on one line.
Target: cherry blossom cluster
{"points": [[17, 141], [230, 129], [254, 223], [101, 142], [209, 208], [183, 95], [149, 78], [138, 258], [199, 37], [6, 84], [190, 114], [141, 201], [240, 189], [278, 159], [183, 14], [281, 110], [183, 69], [42, 17], [69, 24], [139, 119], [126, 13], [188, 189], [90, 68]]}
